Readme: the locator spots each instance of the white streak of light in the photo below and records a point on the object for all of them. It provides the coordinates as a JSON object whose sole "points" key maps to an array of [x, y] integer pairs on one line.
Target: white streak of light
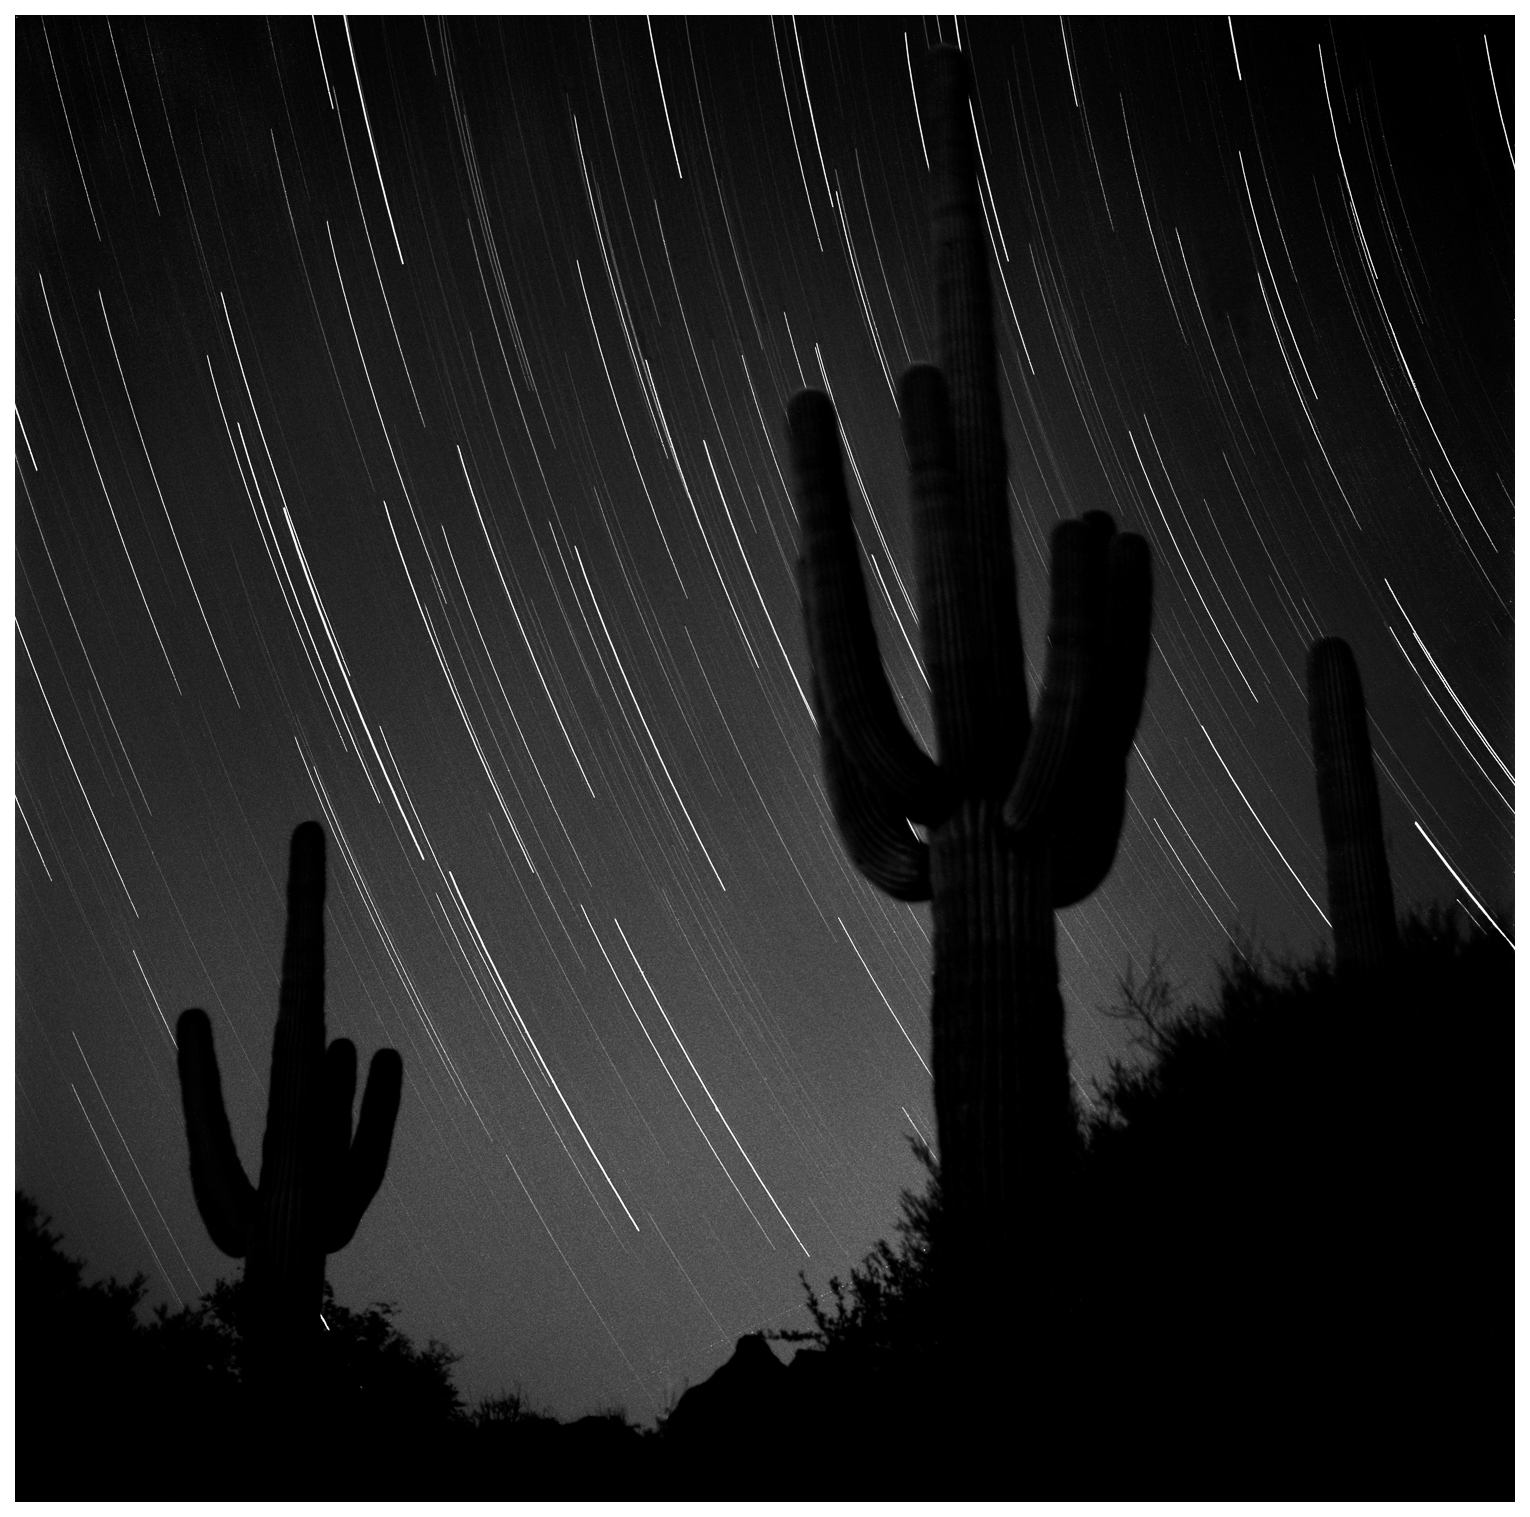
{"points": [[160, 1009], [915, 93], [27, 440], [394, 793], [667, 775], [715, 1107], [134, 1162], [1265, 830], [88, 205], [1201, 893], [144, 158], [334, 644], [880, 992], [1172, 538], [1165, 794], [483, 948], [322, 66], [577, 1281], [1455, 731], [917, 1128], [517, 615], [983, 164], [1152, 235], [133, 410], [1499, 103], [1066, 57], [451, 685], [642, 479], [808, 95], [104, 491], [1376, 290], [366, 118], [99, 1144], [1509, 773], [679, 1266], [1462, 883], [791, 123], [860, 485], [78, 781], [680, 171], [1247, 190], [385, 937], [40, 859], [672, 1080], [753, 581]]}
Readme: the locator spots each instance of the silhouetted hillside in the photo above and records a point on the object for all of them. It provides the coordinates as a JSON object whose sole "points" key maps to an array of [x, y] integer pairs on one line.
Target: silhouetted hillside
{"points": [[1290, 1260], [1290, 1248], [1298, 1224]]}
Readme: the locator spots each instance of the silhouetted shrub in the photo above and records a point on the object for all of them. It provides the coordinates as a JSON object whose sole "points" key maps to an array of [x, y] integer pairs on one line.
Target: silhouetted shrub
{"points": [[888, 1301]]}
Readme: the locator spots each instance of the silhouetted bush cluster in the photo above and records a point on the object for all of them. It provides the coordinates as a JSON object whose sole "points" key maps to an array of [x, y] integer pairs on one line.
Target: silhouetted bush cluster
{"points": [[111, 1406], [1290, 1260]]}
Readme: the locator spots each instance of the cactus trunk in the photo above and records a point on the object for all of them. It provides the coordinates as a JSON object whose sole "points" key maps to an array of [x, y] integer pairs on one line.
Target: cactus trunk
{"points": [[1002, 1099], [284, 1269], [1359, 881]]}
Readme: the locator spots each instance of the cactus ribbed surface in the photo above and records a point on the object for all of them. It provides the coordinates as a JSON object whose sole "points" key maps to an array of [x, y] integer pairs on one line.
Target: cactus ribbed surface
{"points": [[315, 1181], [1359, 881], [1022, 817]]}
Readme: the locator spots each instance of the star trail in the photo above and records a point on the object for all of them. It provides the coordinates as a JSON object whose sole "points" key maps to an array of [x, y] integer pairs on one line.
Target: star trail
{"points": [[399, 444]]}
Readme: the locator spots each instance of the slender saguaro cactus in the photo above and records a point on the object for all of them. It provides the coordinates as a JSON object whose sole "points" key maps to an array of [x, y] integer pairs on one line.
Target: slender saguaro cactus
{"points": [[1359, 881], [315, 1181], [1022, 817]]}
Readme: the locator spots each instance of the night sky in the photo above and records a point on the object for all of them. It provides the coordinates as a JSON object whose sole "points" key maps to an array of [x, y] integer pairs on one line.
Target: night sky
{"points": [[399, 443]]}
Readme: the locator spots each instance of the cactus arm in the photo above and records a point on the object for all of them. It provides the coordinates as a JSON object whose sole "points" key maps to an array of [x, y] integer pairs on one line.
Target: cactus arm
{"points": [[339, 1097], [367, 1161], [1083, 854], [1067, 716], [1128, 637], [878, 838], [223, 1192], [986, 716], [1359, 879], [1087, 833], [339, 1094], [841, 637]]}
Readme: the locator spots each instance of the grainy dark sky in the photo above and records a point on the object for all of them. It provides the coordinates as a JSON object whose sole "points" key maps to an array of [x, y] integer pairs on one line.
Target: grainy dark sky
{"points": [[399, 444]]}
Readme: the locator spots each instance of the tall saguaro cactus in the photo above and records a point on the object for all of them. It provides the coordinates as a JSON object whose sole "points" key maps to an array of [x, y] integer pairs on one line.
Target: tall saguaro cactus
{"points": [[1022, 816], [1359, 881], [315, 1180]]}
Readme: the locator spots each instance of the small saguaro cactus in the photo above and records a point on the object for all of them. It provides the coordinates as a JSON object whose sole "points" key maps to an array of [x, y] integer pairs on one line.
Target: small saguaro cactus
{"points": [[1359, 881], [315, 1181], [1022, 818]]}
